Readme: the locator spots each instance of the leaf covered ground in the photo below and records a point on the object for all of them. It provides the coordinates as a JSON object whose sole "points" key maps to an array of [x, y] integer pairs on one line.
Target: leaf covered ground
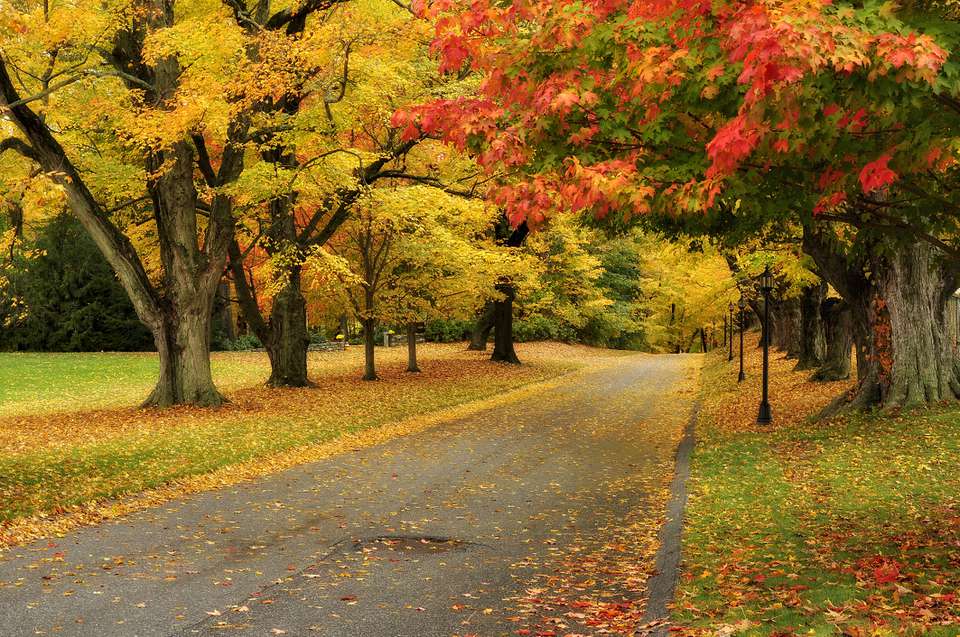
{"points": [[843, 526], [71, 454]]}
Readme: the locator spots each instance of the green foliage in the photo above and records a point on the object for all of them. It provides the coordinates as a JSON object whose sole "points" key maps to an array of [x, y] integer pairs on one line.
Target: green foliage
{"points": [[448, 330], [71, 300], [542, 328], [242, 343]]}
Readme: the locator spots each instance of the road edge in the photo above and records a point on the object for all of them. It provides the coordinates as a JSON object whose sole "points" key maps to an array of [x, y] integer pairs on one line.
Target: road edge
{"points": [[662, 585]]}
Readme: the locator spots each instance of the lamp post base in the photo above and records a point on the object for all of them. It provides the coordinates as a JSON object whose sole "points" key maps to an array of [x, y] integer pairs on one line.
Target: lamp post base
{"points": [[742, 377], [765, 417]]}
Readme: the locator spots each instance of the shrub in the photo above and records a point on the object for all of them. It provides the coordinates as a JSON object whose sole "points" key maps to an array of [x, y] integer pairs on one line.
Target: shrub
{"points": [[244, 343], [448, 330], [542, 328]]}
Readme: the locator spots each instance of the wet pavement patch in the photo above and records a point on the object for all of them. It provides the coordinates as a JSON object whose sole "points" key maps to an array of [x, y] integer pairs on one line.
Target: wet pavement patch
{"points": [[419, 544]]}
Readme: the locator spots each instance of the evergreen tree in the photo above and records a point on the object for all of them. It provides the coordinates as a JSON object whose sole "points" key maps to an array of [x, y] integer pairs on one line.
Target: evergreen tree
{"points": [[73, 301]]}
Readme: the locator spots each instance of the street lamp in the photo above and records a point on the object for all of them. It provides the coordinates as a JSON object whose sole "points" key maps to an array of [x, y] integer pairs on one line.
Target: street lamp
{"points": [[765, 416], [730, 355], [742, 304]]}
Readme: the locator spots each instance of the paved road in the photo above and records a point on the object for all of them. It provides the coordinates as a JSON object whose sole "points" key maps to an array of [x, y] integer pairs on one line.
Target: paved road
{"points": [[423, 536]]}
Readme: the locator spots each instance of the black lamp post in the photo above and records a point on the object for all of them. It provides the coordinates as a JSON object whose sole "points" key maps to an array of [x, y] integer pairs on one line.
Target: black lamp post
{"points": [[765, 416], [730, 356], [742, 305]]}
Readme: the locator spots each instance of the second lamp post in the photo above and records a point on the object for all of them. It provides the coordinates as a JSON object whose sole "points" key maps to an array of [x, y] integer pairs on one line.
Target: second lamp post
{"points": [[765, 416], [742, 305]]}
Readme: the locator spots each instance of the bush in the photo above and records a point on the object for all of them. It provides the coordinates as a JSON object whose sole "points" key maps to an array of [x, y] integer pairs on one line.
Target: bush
{"points": [[448, 331], [318, 336], [542, 328], [244, 343]]}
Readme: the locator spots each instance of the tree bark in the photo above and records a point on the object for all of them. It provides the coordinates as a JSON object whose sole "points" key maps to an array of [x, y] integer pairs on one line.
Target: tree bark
{"points": [[917, 362], [904, 356], [369, 349], [812, 340], [838, 335], [288, 340], [284, 335], [503, 349], [412, 348], [482, 328], [787, 327], [183, 344]]}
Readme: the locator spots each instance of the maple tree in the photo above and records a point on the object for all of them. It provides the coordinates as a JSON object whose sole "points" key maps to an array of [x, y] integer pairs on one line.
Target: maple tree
{"points": [[187, 96], [833, 114], [323, 148], [396, 261]]}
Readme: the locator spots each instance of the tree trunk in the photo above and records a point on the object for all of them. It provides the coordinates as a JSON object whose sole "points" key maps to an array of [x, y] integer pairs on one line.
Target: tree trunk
{"points": [[369, 349], [812, 340], [288, 340], [917, 363], [766, 331], [838, 334], [183, 343], [482, 328], [786, 332], [503, 349], [904, 357], [703, 338], [224, 311], [412, 348]]}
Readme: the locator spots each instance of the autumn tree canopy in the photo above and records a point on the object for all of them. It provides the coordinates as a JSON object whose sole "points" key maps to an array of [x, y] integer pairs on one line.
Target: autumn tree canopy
{"points": [[839, 117]]}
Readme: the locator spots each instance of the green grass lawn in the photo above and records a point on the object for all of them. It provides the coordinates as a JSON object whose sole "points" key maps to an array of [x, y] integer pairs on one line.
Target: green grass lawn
{"points": [[849, 526], [70, 436], [33, 383]]}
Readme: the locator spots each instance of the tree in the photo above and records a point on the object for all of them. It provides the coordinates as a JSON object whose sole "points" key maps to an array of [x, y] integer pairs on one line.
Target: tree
{"points": [[815, 113], [71, 301], [409, 253], [686, 288], [176, 90], [322, 147]]}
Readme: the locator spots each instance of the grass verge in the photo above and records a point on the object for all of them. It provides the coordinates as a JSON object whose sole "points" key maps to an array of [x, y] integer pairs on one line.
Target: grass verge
{"points": [[60, 468], [846, 526]]}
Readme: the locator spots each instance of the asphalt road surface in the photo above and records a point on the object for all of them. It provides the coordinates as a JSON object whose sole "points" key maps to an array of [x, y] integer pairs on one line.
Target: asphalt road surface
{"points": [[428, 535]]}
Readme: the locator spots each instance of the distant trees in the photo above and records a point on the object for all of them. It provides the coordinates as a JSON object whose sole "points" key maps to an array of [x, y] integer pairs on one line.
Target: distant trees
{"points": [[406, 254]]}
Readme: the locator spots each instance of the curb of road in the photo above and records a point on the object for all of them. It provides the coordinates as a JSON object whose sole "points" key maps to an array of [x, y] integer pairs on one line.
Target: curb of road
{"points": [[663, 583]]}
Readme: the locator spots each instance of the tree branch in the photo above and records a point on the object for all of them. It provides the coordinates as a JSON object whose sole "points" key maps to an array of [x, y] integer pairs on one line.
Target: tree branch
{"points": [[18, 145]]}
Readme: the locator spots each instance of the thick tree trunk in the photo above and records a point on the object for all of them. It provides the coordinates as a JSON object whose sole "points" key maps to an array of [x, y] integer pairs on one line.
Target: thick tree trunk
{"points": [[788, 326], [813, 343], [904, 357], [288, 340], [838, 334], [482, 328], [917, 363], [503, 349], [183, 343], [369, 349], [412, 348]]}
